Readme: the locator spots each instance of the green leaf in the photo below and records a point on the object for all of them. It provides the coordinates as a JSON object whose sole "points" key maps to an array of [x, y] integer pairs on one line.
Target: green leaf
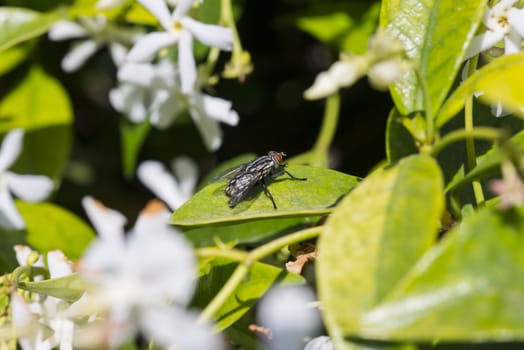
{"points": [[375, 236], [38, 101], [436, 34], [499, 81], [470, 287], [20, 24], [69, 288], [316, 196], [214, 275], [346, 26], [51, 227], [399, 141], [13, 56], [8, 239], [46, 151], [132, 138], [246, 232]]}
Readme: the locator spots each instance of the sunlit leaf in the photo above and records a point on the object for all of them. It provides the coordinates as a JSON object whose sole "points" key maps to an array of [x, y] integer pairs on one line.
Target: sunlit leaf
{"points": [[375, 236], [435, 35], [20, 24], [51, 227], [499, 81], [470, 287], [316, 196]]}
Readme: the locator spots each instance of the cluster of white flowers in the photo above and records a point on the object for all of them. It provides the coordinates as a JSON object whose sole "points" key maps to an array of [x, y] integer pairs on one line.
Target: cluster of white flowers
{"points": [[152, 87], [141, 281]]}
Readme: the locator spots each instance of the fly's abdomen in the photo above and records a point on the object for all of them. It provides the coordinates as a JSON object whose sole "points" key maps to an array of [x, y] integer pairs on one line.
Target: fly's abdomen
{"points": [[240, 186]]}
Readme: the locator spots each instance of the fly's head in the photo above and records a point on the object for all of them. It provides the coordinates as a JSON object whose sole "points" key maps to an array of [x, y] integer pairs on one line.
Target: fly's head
{"points": [[278, 158]]}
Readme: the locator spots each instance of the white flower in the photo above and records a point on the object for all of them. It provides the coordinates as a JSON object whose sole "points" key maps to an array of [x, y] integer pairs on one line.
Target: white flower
{"points": [[97, 32], [502, 21], [140, 85], [43, 324], [342, 73], [320, 343], [153, 89], [32, 188], [146, 276], [179, 29], [286, 311], [172, 190]]}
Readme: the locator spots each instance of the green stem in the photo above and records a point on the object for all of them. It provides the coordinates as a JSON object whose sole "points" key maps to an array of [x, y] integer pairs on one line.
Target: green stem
{"points": [[458, 135], [244, 267], [329, 124], [430, 123], [470, 142]]}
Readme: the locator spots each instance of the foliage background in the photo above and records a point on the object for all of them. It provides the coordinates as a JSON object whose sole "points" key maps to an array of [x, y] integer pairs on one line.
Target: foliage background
{"points": [[273, 113]]}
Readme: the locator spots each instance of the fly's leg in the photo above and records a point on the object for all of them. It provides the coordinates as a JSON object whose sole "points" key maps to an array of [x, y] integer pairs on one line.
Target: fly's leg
{"points": [[268, 194], [294, 177]]}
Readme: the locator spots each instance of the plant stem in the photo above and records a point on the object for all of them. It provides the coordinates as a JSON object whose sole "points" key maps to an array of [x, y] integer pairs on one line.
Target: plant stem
{"points": [[470, 142], [458, 135], [329, 124], [430, 123], [243, 268]]}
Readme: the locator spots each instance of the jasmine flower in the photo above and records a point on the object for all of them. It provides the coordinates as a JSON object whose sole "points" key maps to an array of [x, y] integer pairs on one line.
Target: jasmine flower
{"points": [[172, 190], [143, 278], [503, 22], [31, 188], [96, 32], [179, 29]]}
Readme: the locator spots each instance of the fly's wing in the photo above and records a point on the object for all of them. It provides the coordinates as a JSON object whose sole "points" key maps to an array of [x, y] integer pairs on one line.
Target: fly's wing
{"points": [[240, 186], [229, 173]]}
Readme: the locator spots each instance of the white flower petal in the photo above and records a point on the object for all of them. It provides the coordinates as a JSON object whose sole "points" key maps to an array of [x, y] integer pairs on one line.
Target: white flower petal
{"points": [[208, 127], [108, 223], [209, 34], [141, 74], [147, 46], [160, 323], [153, 220], [11, 148], [320, 343], [118, 53], [102, 261], [59, 265], [287, 312], [78, 55], [323, 86], [166, 265], [129, 99], [23, 252], [182, 7], [31, 188], [186, 63], [159, 9], [516, 20], [164, 109], [219, 109], [10, 218], [483, 42], [186, 172], [512, 43], [63, 30], [155, 177]]}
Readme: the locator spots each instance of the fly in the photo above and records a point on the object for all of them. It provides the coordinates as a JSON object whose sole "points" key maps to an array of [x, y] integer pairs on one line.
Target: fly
{"points": [[258, 171]]}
